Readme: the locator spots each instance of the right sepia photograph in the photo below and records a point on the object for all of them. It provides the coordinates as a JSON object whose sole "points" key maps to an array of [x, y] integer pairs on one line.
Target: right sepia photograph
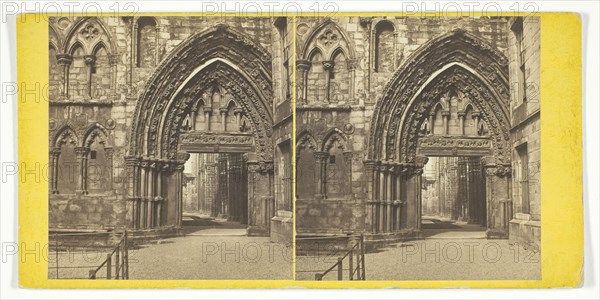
{"points": [[418, 148]]}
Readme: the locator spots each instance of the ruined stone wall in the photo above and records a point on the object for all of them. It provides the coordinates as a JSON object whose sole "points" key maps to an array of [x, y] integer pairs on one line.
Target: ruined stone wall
{"points": [[122, 54], [374, 49], [524, 56]]}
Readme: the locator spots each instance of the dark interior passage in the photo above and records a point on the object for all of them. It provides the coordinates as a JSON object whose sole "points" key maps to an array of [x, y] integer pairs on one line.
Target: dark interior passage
{"points": [[453, 193], [216, 186]]}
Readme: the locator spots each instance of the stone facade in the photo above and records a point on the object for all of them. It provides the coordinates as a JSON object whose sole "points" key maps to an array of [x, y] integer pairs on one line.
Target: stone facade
{"points": [[524, 42], [131, 97], [377, 96]]}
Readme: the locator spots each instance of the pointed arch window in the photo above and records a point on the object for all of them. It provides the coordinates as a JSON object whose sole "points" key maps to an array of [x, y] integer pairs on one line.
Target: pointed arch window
{"points": [[147, 42], [384, 47]]}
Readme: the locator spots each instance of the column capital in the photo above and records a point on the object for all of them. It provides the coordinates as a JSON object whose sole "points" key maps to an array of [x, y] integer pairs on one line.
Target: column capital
{"points": [[89, 59], [223, 110], [64, 59], [238, 110], [82, 150], [303, 64], [328, 65], [207, 109], [371, 164], [445, 113], [321, 156]]}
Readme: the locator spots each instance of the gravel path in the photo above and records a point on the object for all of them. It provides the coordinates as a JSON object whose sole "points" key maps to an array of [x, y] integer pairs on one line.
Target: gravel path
{"points": [[437, 259]]}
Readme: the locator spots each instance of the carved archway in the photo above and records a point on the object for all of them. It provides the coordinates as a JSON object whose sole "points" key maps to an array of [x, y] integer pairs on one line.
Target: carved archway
{"points": [[460, 62], [219, 58]]}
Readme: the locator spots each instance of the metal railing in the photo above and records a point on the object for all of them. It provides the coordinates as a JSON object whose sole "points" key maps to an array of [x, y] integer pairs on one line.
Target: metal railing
{"points": [[353, 269], [121, 261]]}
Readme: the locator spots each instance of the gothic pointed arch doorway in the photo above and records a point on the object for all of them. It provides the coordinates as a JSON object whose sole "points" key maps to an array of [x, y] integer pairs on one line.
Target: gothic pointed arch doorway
{"points": [[449, 99], [211, 95]]}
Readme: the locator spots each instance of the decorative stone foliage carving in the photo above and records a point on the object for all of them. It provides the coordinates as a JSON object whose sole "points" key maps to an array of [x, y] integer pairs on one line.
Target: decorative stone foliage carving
{"points": [[467, 65], [218, 56]]}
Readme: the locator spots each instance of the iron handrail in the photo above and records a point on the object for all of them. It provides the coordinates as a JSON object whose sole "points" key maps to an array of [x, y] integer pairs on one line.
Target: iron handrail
{"points": [[121, 265], [359, 270]]}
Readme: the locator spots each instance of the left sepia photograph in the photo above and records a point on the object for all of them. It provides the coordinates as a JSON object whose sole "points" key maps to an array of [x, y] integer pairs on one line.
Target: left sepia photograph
{"points": [[170, 148]]}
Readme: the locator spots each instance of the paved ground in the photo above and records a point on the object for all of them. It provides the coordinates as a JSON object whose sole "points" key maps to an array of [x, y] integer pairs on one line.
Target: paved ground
{"points": [[210, 249], [445, 254]]}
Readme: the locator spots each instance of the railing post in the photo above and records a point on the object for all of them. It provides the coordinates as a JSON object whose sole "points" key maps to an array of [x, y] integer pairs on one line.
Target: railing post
{"points": [[117, 261], [350, 261], [340, 269], [318, 276], [56, 247], [358, 262], [92, 274], [108, 265], [126, 256], [362, 255]]}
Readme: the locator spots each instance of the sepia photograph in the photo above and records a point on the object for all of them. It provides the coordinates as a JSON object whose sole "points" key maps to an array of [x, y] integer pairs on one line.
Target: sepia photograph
{"points": [[170, 148], [418, 148]]}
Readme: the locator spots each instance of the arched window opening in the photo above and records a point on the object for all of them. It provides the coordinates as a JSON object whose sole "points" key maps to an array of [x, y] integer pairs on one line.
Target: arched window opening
{"points": [[306, 175], [316, 79], [146, 42], [340, 78], [100, 74], [337, 181], [78, 74], [384, 47], [67, 167], [55, 78], [98, 168]]}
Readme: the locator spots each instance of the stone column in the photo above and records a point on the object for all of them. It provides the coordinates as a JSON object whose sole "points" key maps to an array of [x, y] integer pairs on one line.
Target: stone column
{"points": [[132, 201], [82, 153], [179, 183], [53, 167], [351, 64], [207, 113], [321, 161], [65, 61], [498, 198], [399, 202], [413, 193], [389, 198], [430, 122], [238, 111], [303, 66], [476, 115], [446, 117], [260, 197], [143, 211], [223, 112], [382, 197], [395, 51], [461, 119], [370, 168], [90, 62], [328, 66], [193, 113]]}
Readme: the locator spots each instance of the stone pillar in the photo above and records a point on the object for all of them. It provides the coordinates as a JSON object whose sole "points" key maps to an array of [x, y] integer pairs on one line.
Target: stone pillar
{"points": [[53, 169], [223, 112], [238, 111], [143, 210], [382, 197], [303, 66], [476, 115], [461, 119], [371, 167], [389, 198], [82, 153], [321, 161], [430, 122], [207, 113], [90, 62], [499, 204], [260, 197], [394, 60], [179, 184], [193, 113], [351, 64], [445, 117], [328, 66], [398, 201], [65, 61], [413, 193], [131, 172]]}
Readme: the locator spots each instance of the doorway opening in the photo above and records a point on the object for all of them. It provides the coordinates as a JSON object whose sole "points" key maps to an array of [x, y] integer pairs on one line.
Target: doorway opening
{"points": [[215, 194], [453, 197]]}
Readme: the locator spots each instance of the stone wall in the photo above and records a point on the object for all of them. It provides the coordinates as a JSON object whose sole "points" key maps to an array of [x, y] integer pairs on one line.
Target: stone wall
{"points": [[99, 70], [524, 54], [374, 49]]}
